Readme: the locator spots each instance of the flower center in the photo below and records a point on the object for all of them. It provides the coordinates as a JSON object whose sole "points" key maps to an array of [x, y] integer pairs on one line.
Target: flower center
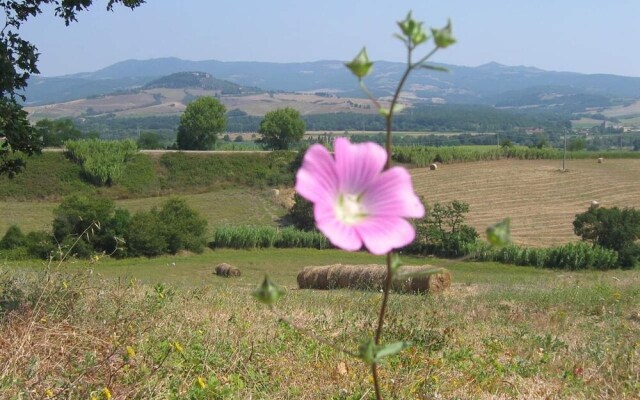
{"points": [[349, 208]]}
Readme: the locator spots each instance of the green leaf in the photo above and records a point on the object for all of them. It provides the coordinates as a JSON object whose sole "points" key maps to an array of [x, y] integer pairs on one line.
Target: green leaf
{"points": [[500, 234], [390, 349], [367, 351], [396, 109], [434, 68], [372, 354], [360, 66], [383, 111], [268, 292], [443, 37], [400, 37], [407, 25]]}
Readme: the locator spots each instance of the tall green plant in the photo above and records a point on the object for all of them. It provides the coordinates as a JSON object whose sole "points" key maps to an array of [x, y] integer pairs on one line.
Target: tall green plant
{"points": [[102, 161]]}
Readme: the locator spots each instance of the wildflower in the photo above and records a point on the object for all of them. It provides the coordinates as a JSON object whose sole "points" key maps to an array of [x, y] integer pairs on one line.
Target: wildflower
{"points": [[202, 383], [48, 393], [106, 393], [355, 201], [178, 347], [131, 352]]}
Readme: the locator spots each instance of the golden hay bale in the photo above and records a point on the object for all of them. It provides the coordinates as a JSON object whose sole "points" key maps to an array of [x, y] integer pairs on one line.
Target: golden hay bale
{"points": [[433, 167], [600, 160], [411, 279], [226, 270]]}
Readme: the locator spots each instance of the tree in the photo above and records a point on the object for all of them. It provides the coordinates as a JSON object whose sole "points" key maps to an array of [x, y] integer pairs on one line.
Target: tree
{"points": [[18, 61], [54, 133], [611, 228], [577, 144], [150, 141], [281, 128], [201, 122]]}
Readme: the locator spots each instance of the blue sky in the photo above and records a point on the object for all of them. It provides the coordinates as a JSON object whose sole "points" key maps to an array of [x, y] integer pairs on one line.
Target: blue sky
{"points": [[564, 35]]}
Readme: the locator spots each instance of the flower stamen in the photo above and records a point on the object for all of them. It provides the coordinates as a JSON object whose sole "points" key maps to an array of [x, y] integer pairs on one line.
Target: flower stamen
{"points": [[349, 208]]}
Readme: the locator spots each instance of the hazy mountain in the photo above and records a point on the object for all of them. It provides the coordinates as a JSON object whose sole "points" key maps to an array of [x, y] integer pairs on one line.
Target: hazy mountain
{"points": [[200, 80], [491, 83]]}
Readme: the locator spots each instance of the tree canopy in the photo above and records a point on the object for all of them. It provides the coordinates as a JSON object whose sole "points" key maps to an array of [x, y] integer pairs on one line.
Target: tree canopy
{"points": [[200, 124], [281, 128], [18, 61]]}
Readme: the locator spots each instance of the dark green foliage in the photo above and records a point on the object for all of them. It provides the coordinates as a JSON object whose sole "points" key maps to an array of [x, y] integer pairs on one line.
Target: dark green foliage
{"points": [[18, 62], [577, 144], [13, 238], [442, 231], [81, 216], [183, 228], [612, 228], [173, 228], [41, 245], [252, 237], [281, 129], [144, 236], [54, 133], [150, 141], [200, 124], [301, 214]]}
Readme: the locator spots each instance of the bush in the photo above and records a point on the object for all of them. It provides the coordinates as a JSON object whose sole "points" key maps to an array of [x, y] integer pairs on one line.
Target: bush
{"points": [[442, 231], [183, 228], [41, 245], [301, 214], [611, 228], [143, 237], [12, 239]]}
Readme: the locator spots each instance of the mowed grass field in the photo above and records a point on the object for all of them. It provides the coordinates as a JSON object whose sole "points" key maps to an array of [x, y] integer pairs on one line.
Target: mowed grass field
{"points": [[221, 207], [541, 200]]}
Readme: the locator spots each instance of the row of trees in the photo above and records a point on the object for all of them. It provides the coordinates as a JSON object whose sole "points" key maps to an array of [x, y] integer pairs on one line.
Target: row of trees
{"points": [[205, 118]]}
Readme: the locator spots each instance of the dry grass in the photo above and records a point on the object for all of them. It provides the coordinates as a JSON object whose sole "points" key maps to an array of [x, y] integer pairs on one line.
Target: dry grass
{"points": [[540, 200]]}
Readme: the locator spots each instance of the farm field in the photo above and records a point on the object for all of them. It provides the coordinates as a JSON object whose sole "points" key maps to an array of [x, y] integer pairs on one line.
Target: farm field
{"points": [[500, 332], [540, 199], [221, 207]]}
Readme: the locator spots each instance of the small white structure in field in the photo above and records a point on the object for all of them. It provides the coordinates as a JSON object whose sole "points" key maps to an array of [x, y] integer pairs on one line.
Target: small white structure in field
{"points": [[600, 160], [433, 167], [595, 204]]}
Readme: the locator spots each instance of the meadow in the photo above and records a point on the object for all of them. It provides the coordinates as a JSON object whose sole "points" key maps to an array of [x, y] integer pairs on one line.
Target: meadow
{"points": [[168, 328]]}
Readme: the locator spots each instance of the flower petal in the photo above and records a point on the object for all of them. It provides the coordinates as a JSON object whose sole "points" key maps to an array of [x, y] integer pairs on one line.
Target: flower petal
{"points": [[391, 194], [383, 234], [341, 235], [357, 164], [316, 179]]}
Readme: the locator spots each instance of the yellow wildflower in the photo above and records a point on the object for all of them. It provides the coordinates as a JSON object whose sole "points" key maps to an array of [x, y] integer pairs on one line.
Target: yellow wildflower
{"points": [[48, 393], [202, 383], [106, 393], [131, 352], [178, 347]]}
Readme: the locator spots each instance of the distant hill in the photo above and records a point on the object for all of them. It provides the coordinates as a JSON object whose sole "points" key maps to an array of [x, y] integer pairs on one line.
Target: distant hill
{"points": [[490, 84], [200, 80]]}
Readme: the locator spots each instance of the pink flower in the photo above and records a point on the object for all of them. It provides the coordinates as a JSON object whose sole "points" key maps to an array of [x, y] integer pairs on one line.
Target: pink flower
{"points": [[355, 201]]}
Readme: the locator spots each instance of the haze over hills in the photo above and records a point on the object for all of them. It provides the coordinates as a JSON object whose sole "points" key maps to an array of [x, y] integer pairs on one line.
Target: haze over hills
{"points": [[492, 83]]}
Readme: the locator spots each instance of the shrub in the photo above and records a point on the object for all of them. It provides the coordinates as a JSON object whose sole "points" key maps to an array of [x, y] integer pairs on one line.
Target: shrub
{"points": [[301, 214], [143, 237], [182, 227], [40, 244], [12, 239], [611, 228]]}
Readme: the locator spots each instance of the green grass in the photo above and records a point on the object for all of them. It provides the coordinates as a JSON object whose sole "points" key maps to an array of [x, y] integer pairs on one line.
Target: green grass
{"points": [[239, 206], [499, 332]]}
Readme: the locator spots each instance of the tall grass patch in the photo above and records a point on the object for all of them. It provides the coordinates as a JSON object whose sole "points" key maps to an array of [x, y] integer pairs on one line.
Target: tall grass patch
{"points": [[255, 237], [102, 161]]}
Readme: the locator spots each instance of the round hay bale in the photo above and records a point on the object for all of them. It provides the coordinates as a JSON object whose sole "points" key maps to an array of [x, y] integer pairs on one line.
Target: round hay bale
{"points": [[433, 167], [226, 270], [600, 160], [595, 204]]}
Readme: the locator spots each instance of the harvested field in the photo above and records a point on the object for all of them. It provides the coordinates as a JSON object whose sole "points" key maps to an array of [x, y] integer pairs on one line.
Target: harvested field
{"points": [[540, 200]]}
